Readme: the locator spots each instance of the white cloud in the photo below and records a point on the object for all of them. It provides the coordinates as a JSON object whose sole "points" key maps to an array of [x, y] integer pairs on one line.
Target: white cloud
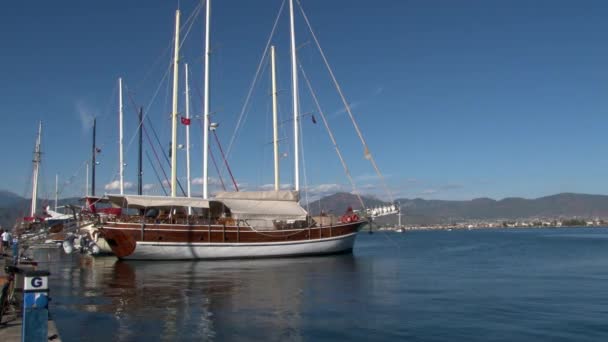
{"points": [[429, 192], [325, 188], [352, 105], [85, 114], [211, 181], [284, 186], [115, 185], [148, 187]]}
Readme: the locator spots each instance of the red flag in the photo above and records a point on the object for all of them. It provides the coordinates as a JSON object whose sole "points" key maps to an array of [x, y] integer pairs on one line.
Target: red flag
{"points": [[185, 121]]}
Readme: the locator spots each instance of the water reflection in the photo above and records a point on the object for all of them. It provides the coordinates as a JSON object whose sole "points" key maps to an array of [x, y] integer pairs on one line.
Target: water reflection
{"points": [[171, 301]]}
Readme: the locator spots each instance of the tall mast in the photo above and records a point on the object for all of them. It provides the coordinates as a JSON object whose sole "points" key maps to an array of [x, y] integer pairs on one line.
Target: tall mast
{"points": [[140, 171], [56, 189], [296, 115], [86, 182], [188, 135], [120, 147], [399, 204], [206, 102], [174, 110], [36, 170], [275, 129], [93, 162]]}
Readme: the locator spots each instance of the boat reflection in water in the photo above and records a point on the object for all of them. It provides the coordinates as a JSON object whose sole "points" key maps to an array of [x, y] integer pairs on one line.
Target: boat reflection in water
{"points": [[269, 299]]}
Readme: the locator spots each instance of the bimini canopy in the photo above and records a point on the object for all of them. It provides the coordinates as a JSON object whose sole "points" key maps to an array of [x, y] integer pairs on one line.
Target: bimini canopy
{"points": [[263, 205], [140, 202]]}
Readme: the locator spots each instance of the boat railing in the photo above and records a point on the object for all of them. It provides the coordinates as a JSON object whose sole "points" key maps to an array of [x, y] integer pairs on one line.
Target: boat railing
{"points": [[192, 220]]}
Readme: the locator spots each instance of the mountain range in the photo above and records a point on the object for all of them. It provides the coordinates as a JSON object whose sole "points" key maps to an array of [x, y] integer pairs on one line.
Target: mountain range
{"points": [[421, 211], [415, 211]]}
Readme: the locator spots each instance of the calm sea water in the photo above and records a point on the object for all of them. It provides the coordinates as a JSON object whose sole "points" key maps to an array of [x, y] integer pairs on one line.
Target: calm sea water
{"points": [[479, 285]]}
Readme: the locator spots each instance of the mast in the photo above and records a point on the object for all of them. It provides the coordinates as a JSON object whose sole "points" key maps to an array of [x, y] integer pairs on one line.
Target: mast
{"points": [[120, 147], [93, 162], [86, 182], [56, 189], [174, 110], [206, 102], [188, 135], [296, 115], [36, 170], [275, 129], [399, 204], [140, 171]]}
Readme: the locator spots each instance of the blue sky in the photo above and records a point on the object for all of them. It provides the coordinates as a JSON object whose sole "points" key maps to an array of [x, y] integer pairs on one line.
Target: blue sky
{"points": [[457, 99]]}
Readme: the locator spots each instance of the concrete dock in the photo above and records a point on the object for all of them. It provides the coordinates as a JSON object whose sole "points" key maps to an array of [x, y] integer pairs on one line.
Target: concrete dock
{"points": [[11, 324]]}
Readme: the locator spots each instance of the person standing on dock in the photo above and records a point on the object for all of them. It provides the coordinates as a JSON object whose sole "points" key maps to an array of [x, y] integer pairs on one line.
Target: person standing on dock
{"points": [[6, 236]]}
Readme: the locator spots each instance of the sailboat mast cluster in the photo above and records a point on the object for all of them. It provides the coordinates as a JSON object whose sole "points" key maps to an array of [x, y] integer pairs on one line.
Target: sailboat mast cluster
{"points": [[247, 224]]}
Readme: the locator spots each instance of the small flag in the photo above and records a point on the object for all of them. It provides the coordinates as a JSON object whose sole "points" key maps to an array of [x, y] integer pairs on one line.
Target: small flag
{"points": [[314, 120], [185, 121]]}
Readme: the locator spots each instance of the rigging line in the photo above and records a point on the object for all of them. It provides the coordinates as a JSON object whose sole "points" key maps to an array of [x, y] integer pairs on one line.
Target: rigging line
{"points": [[159, 163], [225, 161], [191, 20], [147, 110], [162, 56], [156, 173], [366, 151], [160, 84], [144, 128], [253, 83], [68, 181], [304, 165], [217, 169], [331, 136]]}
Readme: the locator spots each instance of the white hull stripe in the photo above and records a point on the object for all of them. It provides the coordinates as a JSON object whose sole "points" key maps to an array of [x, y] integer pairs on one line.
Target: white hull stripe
{"points": [[251, 244]]}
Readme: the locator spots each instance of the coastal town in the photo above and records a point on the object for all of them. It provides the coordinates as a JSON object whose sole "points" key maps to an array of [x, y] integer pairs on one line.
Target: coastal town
{"points": [[504, 224]]}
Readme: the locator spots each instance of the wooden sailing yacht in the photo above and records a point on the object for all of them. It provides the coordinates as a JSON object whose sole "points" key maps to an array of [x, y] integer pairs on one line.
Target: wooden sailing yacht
{"points": [[232, 224]]}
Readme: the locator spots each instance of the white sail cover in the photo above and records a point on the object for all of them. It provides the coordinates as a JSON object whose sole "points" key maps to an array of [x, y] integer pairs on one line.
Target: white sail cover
{"points": [[133, 201], [265, 210], [292, 196], [263, 205]]}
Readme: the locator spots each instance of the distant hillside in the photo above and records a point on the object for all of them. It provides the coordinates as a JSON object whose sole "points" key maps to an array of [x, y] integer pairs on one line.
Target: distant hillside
{"points": [[420, 211], [13, 207]]}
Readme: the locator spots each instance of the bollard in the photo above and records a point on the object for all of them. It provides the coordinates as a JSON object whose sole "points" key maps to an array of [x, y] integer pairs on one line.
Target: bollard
{"points": [[35, 306]]}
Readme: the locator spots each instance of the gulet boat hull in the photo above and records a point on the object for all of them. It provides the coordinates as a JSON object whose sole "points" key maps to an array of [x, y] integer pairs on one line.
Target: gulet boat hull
{"points": [[174, 242]]}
